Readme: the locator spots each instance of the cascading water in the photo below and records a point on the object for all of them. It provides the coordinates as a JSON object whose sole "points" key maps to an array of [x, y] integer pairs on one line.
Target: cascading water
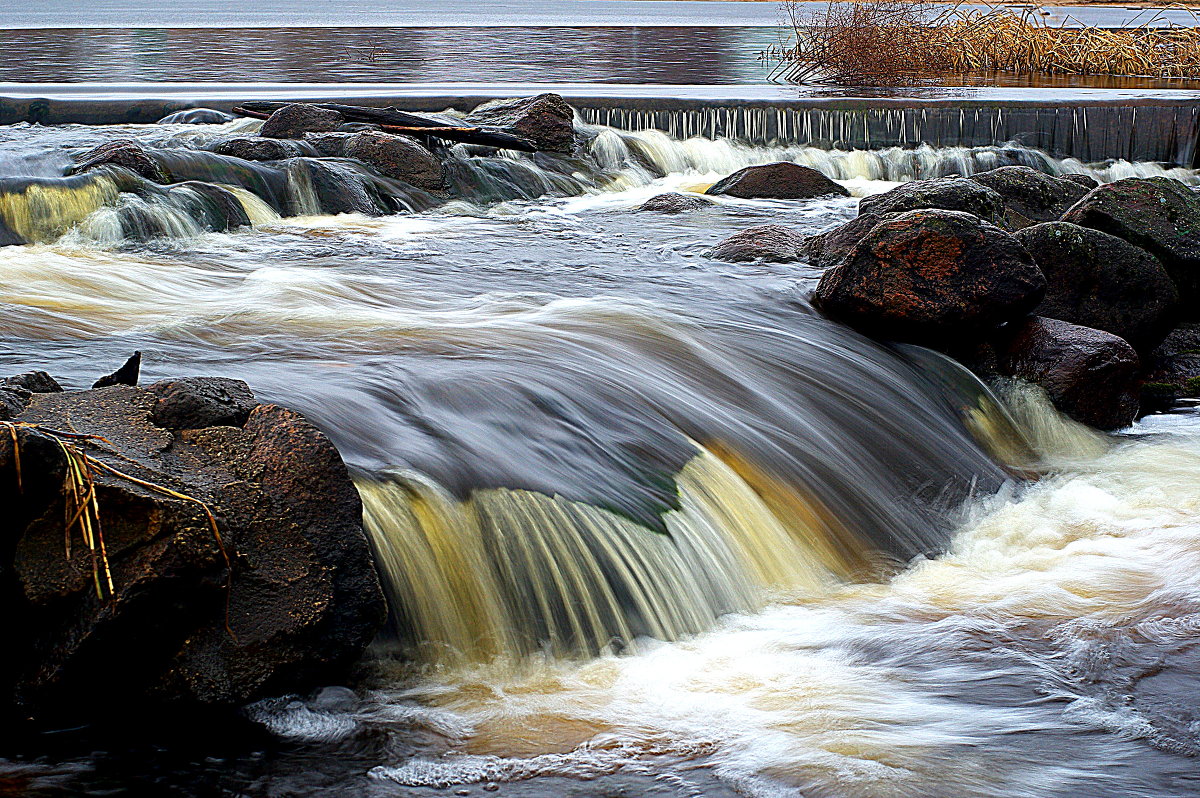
{"points": [[641, 514]]}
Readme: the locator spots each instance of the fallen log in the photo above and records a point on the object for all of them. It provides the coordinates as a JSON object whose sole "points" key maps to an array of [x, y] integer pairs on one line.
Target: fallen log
{"points": [[396, 121]]}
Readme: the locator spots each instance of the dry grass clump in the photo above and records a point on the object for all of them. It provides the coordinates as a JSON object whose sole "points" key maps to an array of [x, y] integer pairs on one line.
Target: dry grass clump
{"points": [[901, 42], [82, 508]]}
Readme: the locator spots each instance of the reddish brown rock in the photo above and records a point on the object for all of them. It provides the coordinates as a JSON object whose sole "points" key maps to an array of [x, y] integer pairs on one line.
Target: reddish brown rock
{"points": [[937, 277], [301, 601]]}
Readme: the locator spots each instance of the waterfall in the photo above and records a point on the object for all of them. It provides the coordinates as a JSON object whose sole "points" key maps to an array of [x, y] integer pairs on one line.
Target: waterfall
{"points": [[1159, 133]]}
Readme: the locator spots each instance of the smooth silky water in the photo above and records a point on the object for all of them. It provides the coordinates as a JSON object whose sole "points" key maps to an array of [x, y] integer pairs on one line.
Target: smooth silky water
{"points": [[648, 525]]}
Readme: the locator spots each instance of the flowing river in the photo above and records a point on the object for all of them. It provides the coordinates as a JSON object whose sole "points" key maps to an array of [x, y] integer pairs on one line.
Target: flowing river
{"points": [[648, 524]]}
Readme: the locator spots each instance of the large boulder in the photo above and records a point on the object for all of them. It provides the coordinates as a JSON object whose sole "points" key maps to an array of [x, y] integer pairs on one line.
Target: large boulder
{"points": [[546, 120], [932, 276], [827, 249], [123, 152], [293, 121], [1090, 375], [1097, 280], [674, 202], [397, 157], [1158, 214], [168, 613], [781, 180], [256, 148], [945, 193], [768, 242], [1031, 196]]}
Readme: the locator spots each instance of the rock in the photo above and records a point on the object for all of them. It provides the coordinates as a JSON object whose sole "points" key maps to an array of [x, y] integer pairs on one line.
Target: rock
{"points": [[674, 202], [126, 375], [1029, 195], [1097, 280], [1176, 362], [340, 189], [199, 402], [546, 120], [215, 206], [256, 148], [293, 121], [932, 276], [1158, 214], [13, 401], [767, 242], [126, 153], [945, 193], [33, 381], [397, 157], [1087, 181], [777, 181], [197, 116], [301, 602], [329, 145], [827, 249], [1090, 375]]}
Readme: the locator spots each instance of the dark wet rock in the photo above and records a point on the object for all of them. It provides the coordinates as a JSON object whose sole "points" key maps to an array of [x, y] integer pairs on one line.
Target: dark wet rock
{"points": [[199, 402], [767, 242], [777, 181], [126, 375], [1097, 280], [329, 145], [1176, 362], [1087, 181], [1090, 375], [293, 121], [197, 116], [944, 193], [828, 248], [1158, 214], [340, 189], [397, 157], [126, 153], [301, 602], [216, 207], [932, 276], [32, 381], [546, 120], [359, 127], [13, 401], [674, 202], [256, 148], [1031, 196]]}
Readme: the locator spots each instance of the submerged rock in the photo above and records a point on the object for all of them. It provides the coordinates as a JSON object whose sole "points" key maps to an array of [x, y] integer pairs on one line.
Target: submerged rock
{"points": [[1031, 196], [256, 148], [768, 242], [674, 202], [546, 120], [1158, 214], [1097, 280], [293, 121], [297, 607], [782, 180], [932, 276], [944, 193], [197, 116], [1090, 375], [125, 152]]}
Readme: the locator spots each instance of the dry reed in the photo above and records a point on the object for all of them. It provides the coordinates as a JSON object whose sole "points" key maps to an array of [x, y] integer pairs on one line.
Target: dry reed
{"points": [[901, 42]]}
